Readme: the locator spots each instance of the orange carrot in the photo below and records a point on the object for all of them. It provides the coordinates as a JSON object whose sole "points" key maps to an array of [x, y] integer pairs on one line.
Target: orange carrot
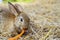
{"points": [[18, 36]]}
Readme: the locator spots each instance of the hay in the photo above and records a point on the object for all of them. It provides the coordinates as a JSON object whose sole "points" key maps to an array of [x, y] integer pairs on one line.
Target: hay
{"points": [[44, 20]]}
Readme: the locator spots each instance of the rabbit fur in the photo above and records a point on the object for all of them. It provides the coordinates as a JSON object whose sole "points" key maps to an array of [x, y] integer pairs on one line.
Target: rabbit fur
{"points": [[12, 19]]}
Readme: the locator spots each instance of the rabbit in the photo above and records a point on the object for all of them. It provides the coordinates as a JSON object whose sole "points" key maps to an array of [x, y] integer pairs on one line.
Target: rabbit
{"points": [[15, 19]]}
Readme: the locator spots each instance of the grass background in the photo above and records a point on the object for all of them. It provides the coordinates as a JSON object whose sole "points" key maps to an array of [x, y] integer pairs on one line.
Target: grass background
{"points": [[27, 1]]}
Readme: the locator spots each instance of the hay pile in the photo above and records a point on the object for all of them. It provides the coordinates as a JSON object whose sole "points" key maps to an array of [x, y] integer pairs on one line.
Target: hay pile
{"points": [[44, 20]]}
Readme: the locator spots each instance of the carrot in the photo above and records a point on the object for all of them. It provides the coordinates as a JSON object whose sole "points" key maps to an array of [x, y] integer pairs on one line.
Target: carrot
{"points": [[18, 36]]}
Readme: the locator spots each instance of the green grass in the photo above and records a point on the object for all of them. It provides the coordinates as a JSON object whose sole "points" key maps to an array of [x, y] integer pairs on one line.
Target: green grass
{"points": [[26, 1]]}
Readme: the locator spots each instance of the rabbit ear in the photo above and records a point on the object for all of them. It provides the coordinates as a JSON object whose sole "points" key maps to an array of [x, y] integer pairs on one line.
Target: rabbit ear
{"points": [[19, 8], [12, 9]]}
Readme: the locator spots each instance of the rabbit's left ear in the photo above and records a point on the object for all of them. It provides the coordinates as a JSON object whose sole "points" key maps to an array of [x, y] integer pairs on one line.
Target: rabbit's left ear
{"points": [[12, 9], [19, 8]]}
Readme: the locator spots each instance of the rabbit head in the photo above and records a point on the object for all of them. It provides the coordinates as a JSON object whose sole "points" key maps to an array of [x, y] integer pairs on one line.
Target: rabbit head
{"points": [[21, 19]]}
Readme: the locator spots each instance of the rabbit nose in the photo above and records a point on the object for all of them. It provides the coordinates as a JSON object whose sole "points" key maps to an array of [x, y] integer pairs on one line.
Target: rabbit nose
{"points": [[19, 30]]}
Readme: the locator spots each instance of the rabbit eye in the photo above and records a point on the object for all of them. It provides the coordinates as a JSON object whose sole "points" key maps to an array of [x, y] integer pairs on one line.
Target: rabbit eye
{"points": [[21, 20]]}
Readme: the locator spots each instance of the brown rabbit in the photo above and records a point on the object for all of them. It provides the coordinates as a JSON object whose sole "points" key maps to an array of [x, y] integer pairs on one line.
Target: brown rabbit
{"points": [[14, 19]]}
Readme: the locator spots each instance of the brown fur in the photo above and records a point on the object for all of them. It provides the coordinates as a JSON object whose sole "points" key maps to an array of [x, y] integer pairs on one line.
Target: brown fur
{"points": [[10, 21]]}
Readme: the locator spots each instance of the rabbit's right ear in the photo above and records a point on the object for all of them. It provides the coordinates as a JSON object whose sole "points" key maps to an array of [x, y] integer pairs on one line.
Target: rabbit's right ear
{"points": [[12, 9]]}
